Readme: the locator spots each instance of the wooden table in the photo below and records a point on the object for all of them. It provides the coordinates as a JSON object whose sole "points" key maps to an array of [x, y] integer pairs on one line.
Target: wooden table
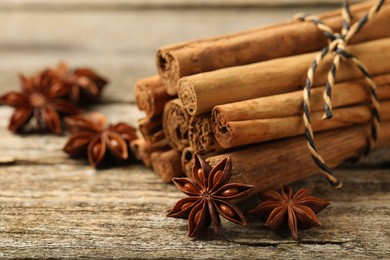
{"points": [[51, 206]]}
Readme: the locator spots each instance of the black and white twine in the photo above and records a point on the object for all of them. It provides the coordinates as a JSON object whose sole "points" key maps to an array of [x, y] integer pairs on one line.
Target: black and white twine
{"points": [[337, 45]]}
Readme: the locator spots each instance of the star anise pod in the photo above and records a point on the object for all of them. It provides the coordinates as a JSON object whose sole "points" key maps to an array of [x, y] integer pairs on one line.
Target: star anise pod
{"points": [[83, 83], [209, 195], [91, 138], [40, 100], [283, 209]]}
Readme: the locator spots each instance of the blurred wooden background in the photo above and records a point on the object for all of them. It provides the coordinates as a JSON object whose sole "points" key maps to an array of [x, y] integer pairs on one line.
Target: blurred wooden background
{"points": [[51, 206]]}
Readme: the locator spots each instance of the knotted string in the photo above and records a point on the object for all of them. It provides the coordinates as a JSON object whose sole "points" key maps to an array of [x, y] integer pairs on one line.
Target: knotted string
{"points": [[337, 45]]}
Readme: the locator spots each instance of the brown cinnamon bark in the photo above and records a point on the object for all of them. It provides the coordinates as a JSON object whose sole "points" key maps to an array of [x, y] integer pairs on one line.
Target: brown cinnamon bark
{"points": [[175, 124], [143, 85], [239, 133], [272, 164], [151, 128], [275, 41], [290, 104], [151, 96], [201, 136], [187, 161], [143, 149], [200, 93], [167, 164]]}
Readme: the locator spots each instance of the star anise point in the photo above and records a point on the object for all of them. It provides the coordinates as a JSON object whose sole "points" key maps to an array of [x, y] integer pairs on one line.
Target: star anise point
{"points": [[209, 197], [84, 84], [90, 137], [287, 209], [39, 100]]}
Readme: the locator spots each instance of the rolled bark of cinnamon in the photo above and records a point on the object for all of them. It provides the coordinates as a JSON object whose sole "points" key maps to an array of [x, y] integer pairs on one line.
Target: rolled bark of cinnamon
{"points": [[187, 161], [239, 133], [167, 164], [290, 104], [143, 85], [272, 164], [175, 124], [200, 93], [275, 41], [151, 96], [201, 136], [151, 128], [143, 149]]}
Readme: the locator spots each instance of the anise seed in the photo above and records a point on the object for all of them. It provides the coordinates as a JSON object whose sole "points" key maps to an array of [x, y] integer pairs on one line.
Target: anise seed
{"points": [[190, 188], [230, 192], [12, 98], [18, 114], [114, 143], [91, 130], [37, 95], [78, 142], [197, 216], [217, 176], [210, 199], [227, 210], [186, 205], [201, 176], [282, 211], [83, 81], [96, 150]]}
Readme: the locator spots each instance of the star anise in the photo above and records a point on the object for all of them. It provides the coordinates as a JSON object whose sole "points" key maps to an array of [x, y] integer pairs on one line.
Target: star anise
{"points": [[91, 138], [209, 194], [40, 100], [287, 209], [83, 83]]}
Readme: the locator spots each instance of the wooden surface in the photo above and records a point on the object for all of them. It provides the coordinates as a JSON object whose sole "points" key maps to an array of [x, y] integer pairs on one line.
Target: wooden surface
{"points": [[131, 4], [51, 206]]}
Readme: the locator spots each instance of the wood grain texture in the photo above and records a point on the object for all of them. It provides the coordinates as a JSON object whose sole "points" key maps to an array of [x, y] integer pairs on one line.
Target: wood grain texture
{"points": [[73, 212], [51, 206], [158, 4], [121, 45]]}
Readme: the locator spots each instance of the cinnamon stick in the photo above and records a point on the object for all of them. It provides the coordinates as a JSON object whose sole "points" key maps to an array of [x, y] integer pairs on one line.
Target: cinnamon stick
{"points": [[187, 161], [175, 124], [239, 133], [272, 164], [201, 136], [142, 149], [290, 104], [151, 128], [167, 164], [151, 96], [275, 41], [200, 93]]}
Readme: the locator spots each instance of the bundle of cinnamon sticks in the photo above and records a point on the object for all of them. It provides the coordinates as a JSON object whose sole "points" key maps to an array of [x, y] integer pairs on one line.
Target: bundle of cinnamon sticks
{"points": [[240, 95]]}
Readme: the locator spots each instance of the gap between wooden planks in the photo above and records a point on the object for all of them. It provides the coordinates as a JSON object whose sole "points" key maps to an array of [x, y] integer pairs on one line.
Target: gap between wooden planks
{"points": [[52, 206]]}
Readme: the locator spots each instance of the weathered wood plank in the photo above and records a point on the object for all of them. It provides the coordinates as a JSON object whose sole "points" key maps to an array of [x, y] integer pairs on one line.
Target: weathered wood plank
{"points": [[132, 4], [119, 45], [53, 206], [46, 149], [68, 211], [43, 149]]}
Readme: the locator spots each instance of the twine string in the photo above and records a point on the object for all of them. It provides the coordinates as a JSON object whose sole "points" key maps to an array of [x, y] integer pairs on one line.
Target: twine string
{"points": [[337, 47]]}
